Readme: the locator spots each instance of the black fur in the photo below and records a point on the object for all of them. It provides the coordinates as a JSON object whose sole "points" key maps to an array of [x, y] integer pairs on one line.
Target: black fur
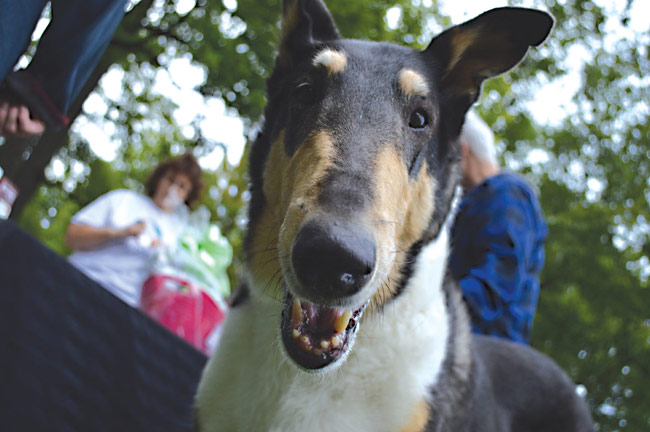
{"points": [[504, 386]]}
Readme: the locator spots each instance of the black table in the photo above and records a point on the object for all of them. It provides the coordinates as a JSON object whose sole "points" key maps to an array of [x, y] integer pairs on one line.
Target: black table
{"points": [[73, 357]]}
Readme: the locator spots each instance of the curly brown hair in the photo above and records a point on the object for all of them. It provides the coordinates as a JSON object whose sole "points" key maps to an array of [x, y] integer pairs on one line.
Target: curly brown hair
{"points": [[183, 164]]}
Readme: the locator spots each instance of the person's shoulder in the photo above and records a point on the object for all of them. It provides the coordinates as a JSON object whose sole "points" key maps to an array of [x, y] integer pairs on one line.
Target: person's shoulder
{"points": [[509, 181], [125, 197], [125, 193], [506, 178], [512, 191]]}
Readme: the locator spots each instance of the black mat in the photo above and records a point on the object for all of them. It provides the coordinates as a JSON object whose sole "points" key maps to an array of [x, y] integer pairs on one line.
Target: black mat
{"points": [[73, 357]]}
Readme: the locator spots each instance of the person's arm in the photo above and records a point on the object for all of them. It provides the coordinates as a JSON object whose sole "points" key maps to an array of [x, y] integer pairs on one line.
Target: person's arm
{"points": [[85, 237]]}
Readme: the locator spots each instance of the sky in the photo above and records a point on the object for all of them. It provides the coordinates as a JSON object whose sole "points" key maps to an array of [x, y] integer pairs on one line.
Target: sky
{"points": [[553, 102], [179, 82]]}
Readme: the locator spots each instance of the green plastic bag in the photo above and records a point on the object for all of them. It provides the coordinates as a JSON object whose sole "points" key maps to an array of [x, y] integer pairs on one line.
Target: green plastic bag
{"points": [[203, 255]]}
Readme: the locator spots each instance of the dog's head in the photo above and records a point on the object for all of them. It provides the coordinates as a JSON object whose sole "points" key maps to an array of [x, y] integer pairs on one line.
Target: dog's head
{"points": [[357, 164]]}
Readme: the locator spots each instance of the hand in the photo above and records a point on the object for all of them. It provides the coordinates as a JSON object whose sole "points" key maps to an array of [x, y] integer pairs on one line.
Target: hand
{"points": [[15, 121], [133, 230]]}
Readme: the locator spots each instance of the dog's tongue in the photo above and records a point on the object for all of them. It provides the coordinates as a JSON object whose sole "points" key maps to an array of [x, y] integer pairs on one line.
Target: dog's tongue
{"points": [[319, 319]]}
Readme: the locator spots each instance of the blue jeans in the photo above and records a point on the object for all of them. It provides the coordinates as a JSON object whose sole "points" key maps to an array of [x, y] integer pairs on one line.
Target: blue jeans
{"points": [[70, 47]]}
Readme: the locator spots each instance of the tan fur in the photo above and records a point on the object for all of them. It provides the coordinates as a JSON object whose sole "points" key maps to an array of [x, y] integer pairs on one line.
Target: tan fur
{"points": [[291, 191], [402, 208], [459, 44], [460, 72], [412, 83], [289, 21], [273, 174], [420, 208], [307, 168], [419, 419], [334, 61], [263, 253]]}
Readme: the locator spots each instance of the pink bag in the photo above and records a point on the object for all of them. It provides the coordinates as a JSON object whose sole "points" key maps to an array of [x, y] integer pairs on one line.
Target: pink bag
{"points": [[184, 309]]}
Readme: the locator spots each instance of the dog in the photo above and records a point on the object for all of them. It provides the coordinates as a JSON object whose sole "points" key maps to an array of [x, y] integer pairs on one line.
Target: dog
{"points": [[347, 319]]}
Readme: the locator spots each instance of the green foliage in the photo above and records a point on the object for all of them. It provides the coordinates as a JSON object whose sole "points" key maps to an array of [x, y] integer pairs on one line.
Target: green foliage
{"points": [[594, 311], [225, 196]]}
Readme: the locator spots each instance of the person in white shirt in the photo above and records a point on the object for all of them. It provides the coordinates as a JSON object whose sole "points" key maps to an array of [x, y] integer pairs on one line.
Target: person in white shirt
{"points": [[116, 236]]}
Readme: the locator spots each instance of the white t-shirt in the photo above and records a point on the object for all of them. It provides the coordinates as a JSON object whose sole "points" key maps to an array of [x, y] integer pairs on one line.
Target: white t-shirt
{"points": [[121, 266]]}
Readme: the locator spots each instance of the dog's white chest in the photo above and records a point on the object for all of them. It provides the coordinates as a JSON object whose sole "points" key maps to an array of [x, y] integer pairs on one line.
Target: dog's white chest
{"points": [[396, 358]]}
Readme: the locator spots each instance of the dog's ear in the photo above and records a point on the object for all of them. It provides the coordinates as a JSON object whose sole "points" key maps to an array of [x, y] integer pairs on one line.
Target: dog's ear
{"points": [[486, 46], [304, 23]]}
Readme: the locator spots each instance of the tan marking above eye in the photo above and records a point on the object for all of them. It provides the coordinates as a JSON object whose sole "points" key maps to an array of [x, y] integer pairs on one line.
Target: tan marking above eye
{"points": [[334, 61], [412, 83]]}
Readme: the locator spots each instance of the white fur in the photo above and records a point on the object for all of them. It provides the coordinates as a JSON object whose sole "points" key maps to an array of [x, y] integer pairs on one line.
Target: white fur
{"points": [[250, 385]]}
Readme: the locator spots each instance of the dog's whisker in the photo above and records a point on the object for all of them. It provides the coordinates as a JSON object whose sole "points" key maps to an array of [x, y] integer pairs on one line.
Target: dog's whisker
{"points": [[260, 267], [253, 253], [269, 282]]}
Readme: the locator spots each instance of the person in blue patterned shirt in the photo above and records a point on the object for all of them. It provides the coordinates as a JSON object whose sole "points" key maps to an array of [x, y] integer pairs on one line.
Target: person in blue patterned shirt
{"points": [[497, 240]]}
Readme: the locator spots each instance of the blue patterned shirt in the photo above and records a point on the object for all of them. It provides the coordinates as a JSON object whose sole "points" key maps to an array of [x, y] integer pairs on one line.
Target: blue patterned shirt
{"points": [[497, 254]]}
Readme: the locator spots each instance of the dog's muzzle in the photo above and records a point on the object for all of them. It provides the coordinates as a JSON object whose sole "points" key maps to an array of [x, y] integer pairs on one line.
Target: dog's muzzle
{"points": [[332, 263]]}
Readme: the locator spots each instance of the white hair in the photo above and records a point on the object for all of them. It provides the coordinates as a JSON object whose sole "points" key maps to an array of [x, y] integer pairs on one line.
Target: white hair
{"points": [[479, 137]]}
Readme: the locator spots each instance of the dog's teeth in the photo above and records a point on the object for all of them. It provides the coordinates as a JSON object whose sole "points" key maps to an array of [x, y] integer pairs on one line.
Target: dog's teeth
{"points": [[296, 311], [342, 321], [305, 340], [296, 333], [324, 344], [336, 341]]}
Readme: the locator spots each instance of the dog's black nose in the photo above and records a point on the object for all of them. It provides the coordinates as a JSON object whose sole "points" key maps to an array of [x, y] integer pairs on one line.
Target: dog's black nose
{"points": [[332, 260]]}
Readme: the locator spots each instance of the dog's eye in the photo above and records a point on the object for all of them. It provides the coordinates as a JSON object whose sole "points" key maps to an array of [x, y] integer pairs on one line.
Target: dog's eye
{"points": [[304, 93], [419, 119]]}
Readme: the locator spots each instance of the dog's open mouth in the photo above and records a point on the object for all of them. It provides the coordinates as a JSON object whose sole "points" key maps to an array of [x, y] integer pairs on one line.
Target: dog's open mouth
{"points": [[314, 335]]}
